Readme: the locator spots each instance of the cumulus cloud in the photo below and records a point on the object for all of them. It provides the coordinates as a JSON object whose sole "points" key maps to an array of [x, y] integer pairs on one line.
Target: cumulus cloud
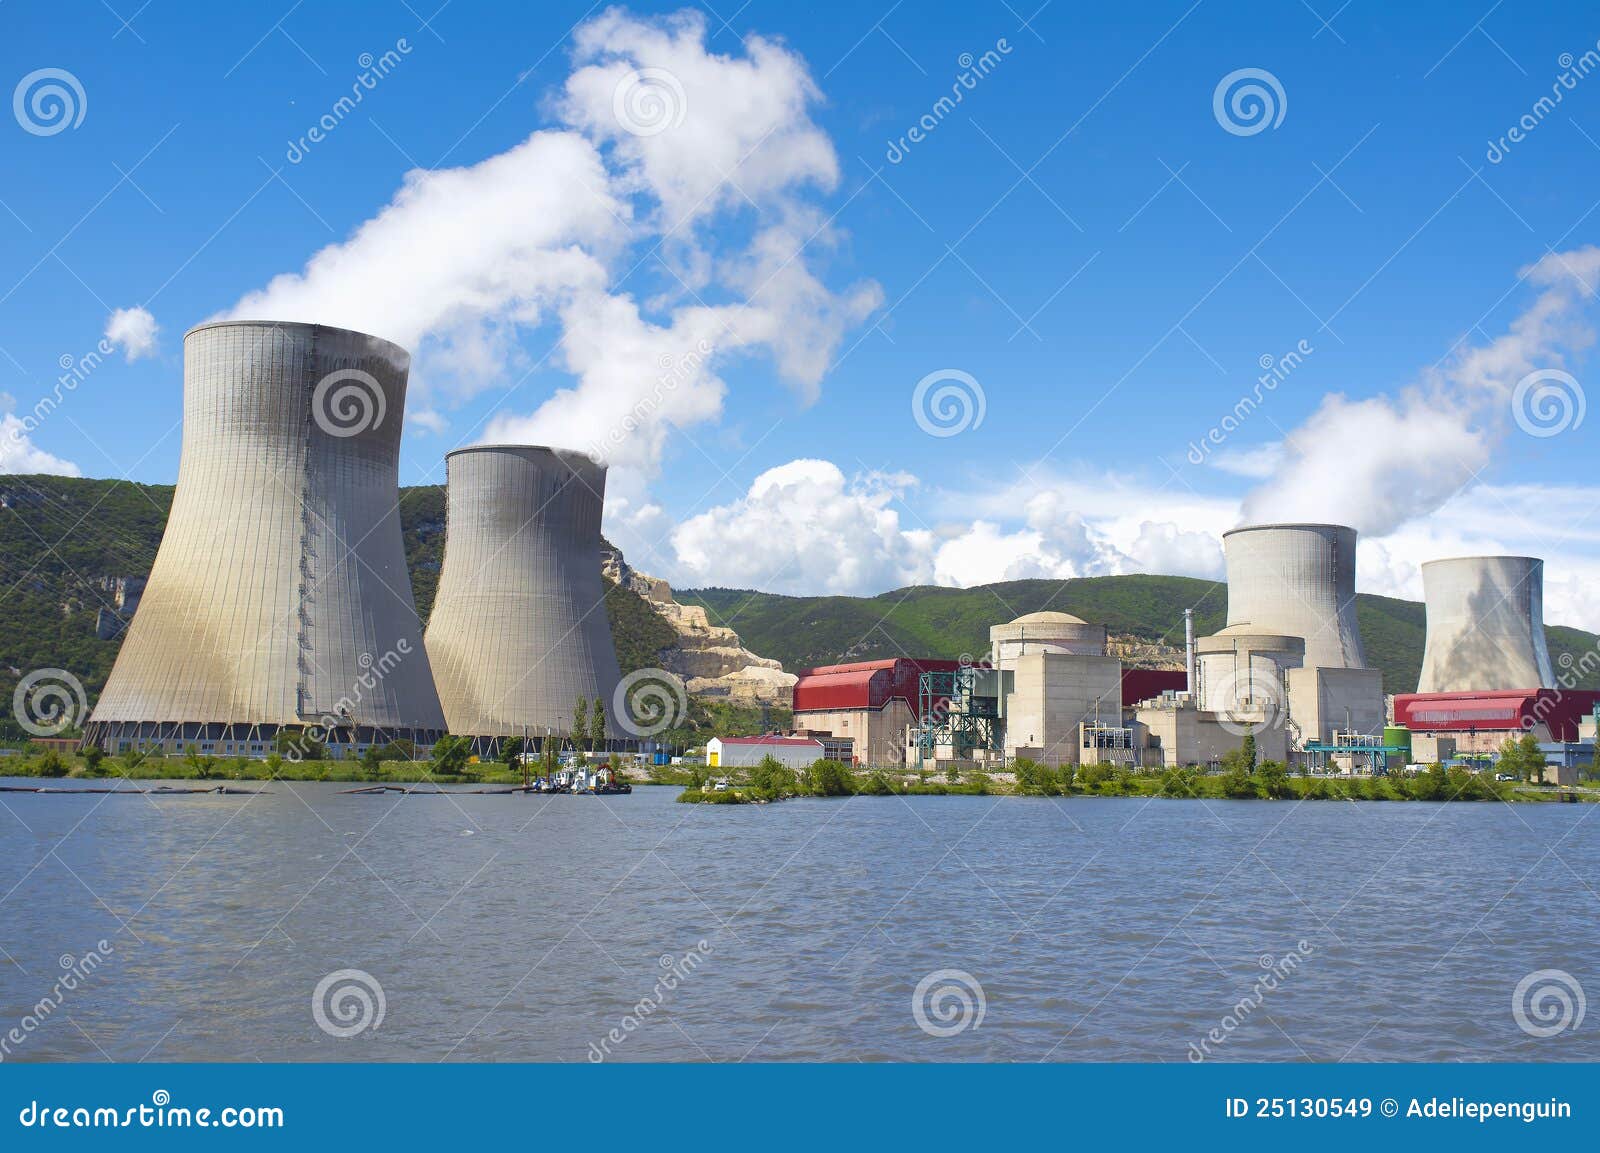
{"points": [[670, 157], [1383, 461], [134, 330], [18, 454], [805, 527]]}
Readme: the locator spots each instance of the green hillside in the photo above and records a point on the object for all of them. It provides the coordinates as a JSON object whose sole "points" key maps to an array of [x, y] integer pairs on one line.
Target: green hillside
{"points": [[945, 622], [62, 538]]}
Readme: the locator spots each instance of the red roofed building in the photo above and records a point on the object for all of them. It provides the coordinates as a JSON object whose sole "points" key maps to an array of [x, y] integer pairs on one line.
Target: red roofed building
{"points": [[871, 702], [1481, 721]]}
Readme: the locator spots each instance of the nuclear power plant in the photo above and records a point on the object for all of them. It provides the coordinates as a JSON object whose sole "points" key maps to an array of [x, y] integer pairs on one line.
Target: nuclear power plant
{"points": [[1485, 625], [279, 598], [1297, 580], [519, 630]]}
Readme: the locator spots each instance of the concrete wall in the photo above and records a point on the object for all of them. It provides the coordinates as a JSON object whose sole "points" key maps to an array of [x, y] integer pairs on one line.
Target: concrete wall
{"points": [[1299, 580], [1054, 693], [1325, 700], [1196, 737], [879, 734]]}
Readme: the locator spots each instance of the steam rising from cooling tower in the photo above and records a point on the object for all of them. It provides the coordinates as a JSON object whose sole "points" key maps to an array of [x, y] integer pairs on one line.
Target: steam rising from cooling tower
{"points": [[280, 594], [1297, 580], [519, 629], [1485, 625]]}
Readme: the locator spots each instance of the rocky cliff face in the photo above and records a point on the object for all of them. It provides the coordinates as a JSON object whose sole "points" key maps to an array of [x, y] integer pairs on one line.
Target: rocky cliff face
{"points": [[710, 658]]}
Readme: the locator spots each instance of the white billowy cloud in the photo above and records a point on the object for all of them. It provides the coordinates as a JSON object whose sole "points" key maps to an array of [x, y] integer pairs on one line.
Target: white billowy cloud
{"points": [[662, 142], [18, 454], [134, 330], [1383, 461]]}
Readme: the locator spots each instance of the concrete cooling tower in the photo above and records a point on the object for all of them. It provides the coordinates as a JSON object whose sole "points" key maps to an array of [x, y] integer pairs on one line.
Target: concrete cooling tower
{"points": [[1485, 625], [519, 629], [279, 595], [1297, 580]]}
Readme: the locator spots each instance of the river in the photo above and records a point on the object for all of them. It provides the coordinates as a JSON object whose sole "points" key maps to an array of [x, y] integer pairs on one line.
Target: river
{"points": [[496, 928]]}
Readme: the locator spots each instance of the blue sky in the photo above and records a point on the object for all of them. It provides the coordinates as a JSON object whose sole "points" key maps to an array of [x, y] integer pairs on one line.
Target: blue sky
{"points": [[1082, 236]]}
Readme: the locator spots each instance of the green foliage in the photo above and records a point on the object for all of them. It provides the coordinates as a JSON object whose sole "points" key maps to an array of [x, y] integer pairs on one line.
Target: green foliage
{"points": [[1272, 779], [511, 751], [1035, 780], [772, 780], [827, 778], [580, 723], [876, 784], [1521, 759], [597, 724], [51, 764], [1238, 783], [94, 762], [299, 745], [450, 755]]}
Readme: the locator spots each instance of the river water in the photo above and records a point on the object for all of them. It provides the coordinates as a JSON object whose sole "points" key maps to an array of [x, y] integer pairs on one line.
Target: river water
{"points": [[573, 928]]}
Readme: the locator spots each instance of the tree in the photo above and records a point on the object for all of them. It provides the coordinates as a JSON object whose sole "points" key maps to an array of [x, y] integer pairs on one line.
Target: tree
{"points": [[450, 755], [1522, 759], [1248, 749], [597, 724], [300, 745], [511, 751], [92, 756], [830, 779], [371, 763], [580, 723], [50, 764]]}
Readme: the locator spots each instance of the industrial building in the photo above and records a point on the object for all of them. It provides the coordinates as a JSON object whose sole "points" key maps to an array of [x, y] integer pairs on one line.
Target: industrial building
{"points": [[279, 598], [871, 702], [1290, 655], [1485, 625], [747, 752], [519, 632], [1481, 722]]}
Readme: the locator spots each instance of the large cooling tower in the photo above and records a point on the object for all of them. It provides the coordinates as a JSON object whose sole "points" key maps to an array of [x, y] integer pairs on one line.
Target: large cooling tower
{"points": [[519, 630], [279, 595], [1485, 625], [1297, 580]]}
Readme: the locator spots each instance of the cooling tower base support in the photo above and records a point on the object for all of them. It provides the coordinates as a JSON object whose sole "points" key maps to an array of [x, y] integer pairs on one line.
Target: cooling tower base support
{"points": [[242, 740]]}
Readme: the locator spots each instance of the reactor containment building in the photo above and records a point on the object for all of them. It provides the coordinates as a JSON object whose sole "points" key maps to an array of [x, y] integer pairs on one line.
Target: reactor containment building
{"points": [[279, 598], [519, 629]]}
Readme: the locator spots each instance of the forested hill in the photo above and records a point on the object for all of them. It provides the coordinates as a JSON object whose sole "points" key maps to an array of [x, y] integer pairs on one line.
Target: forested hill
{"points": [[64, 542], [945, 622]]}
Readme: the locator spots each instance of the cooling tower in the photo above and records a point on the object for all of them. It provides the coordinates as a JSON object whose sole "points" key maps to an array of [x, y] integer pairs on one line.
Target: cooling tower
{"points": [[1297, 580], [279, 595], [1485, 625], [519, 629]]}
